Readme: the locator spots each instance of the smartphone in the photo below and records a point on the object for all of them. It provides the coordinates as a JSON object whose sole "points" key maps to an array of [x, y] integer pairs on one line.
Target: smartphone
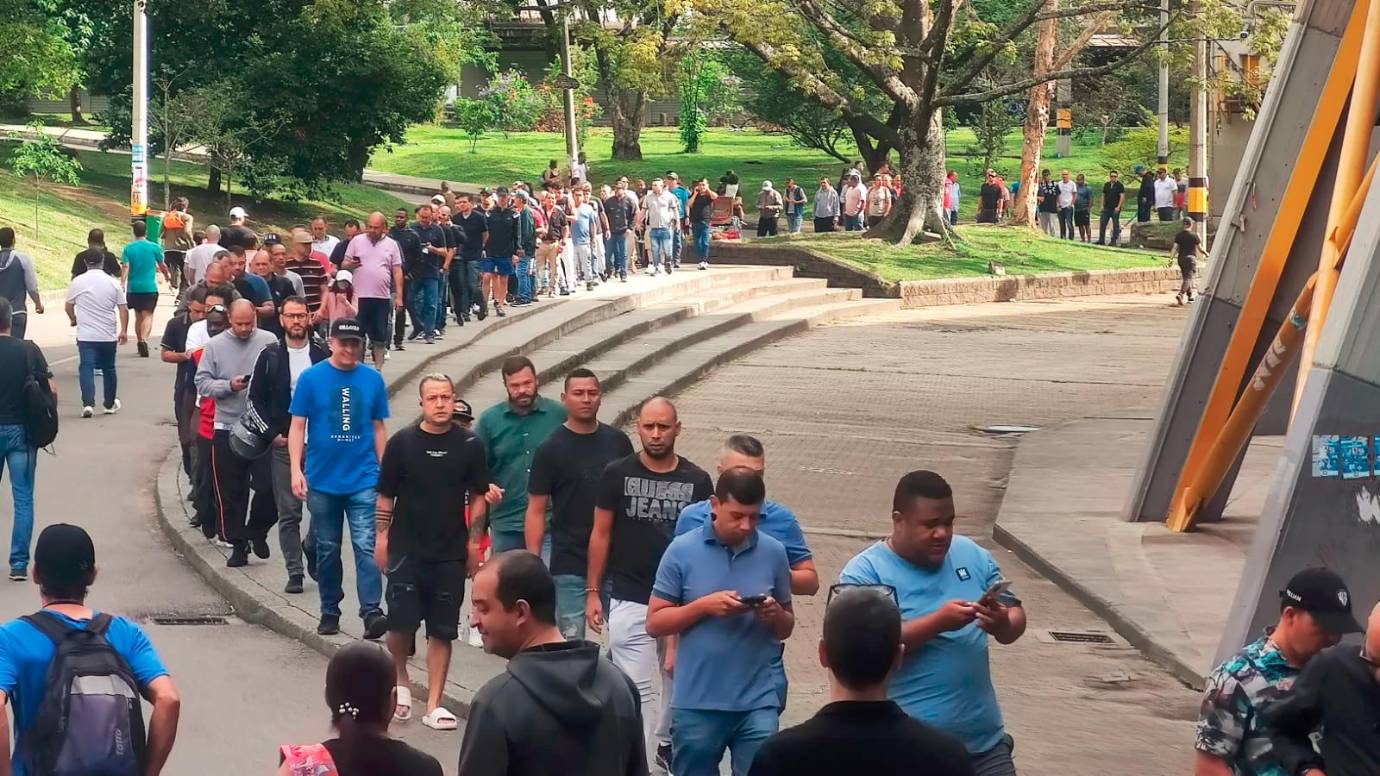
{"points": [[995, 591], [753, 600]]}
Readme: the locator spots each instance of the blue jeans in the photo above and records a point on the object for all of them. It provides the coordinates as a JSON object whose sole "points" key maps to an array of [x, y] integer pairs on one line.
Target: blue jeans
{"points": [[96, 355], [793, 223], [503, 541], [699, 738], [523, 271], [701, 231], [617, 247], [853, 223], [22, 460], [424, 301], [677, 244], [357, 509], [661, 246], [570, 604]]}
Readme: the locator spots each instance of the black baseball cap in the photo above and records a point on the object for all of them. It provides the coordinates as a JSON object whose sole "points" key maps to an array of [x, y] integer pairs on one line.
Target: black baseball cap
{"points": [[1323, 594], [347, 328], [463, 410], [64, 554], [501, 191]]}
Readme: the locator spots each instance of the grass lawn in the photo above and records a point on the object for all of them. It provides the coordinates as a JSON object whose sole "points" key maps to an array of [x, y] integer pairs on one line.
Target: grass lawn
{"points": [[101, 201], [1022, 251]]}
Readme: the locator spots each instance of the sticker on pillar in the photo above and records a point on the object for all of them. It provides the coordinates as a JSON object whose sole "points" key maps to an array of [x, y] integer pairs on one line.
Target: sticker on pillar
{"points": [[1355, 457], [1325, 456]]}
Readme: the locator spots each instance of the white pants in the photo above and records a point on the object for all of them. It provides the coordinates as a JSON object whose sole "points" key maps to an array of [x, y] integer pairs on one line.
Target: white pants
{"points": [[596, 243], [568, 265], [1050, 223], [642, 657]]}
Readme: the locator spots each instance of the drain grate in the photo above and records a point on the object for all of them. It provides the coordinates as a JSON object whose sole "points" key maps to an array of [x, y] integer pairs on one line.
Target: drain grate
{"points": [[1081, 637], [195, 620]]}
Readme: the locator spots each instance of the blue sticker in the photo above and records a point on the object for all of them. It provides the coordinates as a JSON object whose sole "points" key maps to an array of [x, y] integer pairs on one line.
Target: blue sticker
{"points": [[963, 573], [1355, 457], [1326, 457]]}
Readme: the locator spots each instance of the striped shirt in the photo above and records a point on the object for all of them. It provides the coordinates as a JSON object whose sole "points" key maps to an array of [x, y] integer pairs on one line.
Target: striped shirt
{"points": [[313, 272]]}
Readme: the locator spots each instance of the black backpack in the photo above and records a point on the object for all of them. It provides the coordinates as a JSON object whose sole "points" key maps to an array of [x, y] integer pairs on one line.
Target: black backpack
{"points": [[90, 722], [40, 406]]}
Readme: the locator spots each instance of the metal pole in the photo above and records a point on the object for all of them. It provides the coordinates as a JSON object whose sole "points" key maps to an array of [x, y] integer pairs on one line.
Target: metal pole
{"points": [[572, 144], [1198, 132], [1063, 93], [139, 134], [1163, 111]]}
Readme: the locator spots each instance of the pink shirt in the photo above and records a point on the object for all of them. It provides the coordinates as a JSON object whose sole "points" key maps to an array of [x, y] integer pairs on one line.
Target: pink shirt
{"points": [[334, 305], [374, 277]]}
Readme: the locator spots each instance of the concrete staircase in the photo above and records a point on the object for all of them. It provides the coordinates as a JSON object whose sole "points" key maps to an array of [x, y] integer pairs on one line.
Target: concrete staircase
{"points": [[648, 346]]}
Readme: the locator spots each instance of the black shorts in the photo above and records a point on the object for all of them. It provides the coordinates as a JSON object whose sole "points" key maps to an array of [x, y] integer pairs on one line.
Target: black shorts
{"points": [[1188, 268], [374, 317], [144, 303], [1082, 218], [429, 591]]}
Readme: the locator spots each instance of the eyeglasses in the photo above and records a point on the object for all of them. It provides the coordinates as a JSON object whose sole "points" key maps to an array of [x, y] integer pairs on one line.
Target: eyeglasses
{"points": [[886, 590]]}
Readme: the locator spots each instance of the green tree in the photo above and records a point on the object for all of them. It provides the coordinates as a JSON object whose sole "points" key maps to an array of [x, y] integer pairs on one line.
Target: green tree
{"points": [[43, 158], [35, 58], [707, 90], [994, 122], [475, 117]]}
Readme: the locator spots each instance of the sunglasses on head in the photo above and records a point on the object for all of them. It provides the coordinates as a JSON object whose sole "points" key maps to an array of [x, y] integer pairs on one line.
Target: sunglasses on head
{"points": [[886, 590], [216, 308]]}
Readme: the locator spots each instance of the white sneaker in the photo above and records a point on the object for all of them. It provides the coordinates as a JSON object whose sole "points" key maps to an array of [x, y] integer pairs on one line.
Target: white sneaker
{"points": [[474, 639], [704, 265], [112, 409], [655, 270], [88, 411]]}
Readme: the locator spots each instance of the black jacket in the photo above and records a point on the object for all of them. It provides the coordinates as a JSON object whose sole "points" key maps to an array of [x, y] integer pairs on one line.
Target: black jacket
{"points": [[558, 709], [270, 386], [1147, 189], [1337, 694]]}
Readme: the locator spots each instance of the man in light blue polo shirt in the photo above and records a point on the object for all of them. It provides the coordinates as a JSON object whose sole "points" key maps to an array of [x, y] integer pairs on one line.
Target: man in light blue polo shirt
{"points": [[941, 581], [725, 590]]}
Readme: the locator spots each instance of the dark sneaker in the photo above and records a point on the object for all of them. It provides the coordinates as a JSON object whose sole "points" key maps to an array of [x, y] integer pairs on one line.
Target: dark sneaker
{"points": [[238, 556], [375, 625], [329, 625], [294, 584], [416, 334], [143, 349], [398, 346], [19, 575], [663, 757], [261, 548], [499, 312]]}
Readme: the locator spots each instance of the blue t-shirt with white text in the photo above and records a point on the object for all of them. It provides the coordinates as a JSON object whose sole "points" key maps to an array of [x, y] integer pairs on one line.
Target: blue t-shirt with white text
{"points": [[340, 407], [26, 654]]}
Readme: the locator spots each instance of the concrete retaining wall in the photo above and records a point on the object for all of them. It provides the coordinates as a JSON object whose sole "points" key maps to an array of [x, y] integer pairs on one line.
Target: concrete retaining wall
{"points": [[808, 263]]}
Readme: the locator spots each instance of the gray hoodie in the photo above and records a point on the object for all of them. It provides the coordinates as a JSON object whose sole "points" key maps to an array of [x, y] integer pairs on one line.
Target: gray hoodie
{"points": [[226, 357], [559, 709]]}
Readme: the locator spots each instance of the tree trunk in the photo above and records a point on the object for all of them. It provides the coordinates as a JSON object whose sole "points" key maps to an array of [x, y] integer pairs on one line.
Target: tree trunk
{"points": [[625, 113], [213, 182], [1036, 119], [167, 176], [74, 103], [921, 205]]}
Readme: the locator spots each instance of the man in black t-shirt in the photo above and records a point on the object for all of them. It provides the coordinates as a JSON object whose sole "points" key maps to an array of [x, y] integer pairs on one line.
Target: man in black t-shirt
{"points": [[1113, 198], [19, 358], [424, 286], [1187, 246], [1047, 200], [410, 246], [989, 197], [640, 497], [423, 544], [567, 467], [464, 271], [173, 350]]}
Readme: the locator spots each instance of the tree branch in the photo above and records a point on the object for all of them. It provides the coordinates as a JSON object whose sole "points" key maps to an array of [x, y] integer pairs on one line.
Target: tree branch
{"points": [[851, 46], [1077, 72], [1082, 40]]}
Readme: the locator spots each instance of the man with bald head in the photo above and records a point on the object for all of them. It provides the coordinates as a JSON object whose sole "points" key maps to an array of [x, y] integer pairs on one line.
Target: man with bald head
{"points": [[636, 507], [223, 374], [200, 257], [375, 260], [1335, 702]]}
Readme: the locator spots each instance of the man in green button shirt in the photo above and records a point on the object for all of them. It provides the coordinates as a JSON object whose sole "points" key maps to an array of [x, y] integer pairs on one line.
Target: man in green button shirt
{"points": [[512, 431]]}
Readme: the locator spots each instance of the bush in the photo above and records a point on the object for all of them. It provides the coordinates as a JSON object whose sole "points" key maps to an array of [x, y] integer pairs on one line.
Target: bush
{"points": [[475, 117], [515, 104]]}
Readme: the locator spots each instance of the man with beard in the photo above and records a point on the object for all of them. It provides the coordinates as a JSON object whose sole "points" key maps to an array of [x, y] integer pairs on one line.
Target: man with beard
{"points": [[567, 468], [512, 431], [952, 598], [638, 501]]}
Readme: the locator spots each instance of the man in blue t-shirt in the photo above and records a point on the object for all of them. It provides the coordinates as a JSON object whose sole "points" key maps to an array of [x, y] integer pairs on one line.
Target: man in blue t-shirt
{"points": [[942, 583], [64, 568], [338, 412], [725, 591], [682, 195]]}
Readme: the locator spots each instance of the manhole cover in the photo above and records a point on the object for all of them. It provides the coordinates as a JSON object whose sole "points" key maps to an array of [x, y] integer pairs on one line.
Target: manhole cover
{"points": [[1081, 637], [193, 620]]}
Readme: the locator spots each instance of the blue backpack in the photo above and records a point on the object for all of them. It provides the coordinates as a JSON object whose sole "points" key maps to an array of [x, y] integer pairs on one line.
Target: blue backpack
{"points": [[90, 721]]}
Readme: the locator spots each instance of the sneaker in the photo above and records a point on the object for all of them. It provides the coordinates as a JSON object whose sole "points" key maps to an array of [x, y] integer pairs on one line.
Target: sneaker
{"points": [[1179, 300], [623, 276], [329, 625], [663, 757], [220, 543], [416, 334], [294, 584], [439, 335], [143, 348], [499, 312], [19, 575], [429, 340], [260, 548], [238, 556], [589, 286], [475, 639], [704, 265], [654, 270], [398, 346], [88, 411], [112, 409], [375, 625], [482, 314]]}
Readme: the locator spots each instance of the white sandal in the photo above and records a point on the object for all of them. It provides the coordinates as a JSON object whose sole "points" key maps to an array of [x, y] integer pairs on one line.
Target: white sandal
{"points": [[440, 718], [404, 700]]}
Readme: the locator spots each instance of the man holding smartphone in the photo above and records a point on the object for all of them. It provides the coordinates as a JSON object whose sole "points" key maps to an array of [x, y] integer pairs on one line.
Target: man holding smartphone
{"points": [[952, 598]]}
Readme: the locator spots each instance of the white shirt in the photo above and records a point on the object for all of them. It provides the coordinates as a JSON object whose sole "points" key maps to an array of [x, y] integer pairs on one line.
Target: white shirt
{"points": [[298, 361], [197, 336], [1067, 191], [663, 210], [579, 170], [97, 297], [199, 258], [326, 245], [1164, 192]]}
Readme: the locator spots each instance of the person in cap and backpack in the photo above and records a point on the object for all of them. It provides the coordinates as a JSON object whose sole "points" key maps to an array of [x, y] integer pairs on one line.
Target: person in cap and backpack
{"points": [[53, 718], [23, 372]]}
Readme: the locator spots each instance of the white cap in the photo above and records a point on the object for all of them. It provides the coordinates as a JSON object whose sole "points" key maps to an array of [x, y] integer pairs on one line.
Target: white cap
{"points": [[344, 275], [437, 199], [238, 212], [766, 185]]}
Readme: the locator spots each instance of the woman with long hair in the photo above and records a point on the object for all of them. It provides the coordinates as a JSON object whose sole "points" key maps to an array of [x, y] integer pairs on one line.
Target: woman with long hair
{"points": [[360, 687]]}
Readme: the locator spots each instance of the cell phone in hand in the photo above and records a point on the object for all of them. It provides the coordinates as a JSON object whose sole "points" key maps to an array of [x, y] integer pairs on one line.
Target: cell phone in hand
{"points": [[995, 592], [753, 601]]}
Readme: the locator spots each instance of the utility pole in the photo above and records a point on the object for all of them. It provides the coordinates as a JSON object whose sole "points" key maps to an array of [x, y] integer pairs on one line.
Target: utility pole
{"points": [[1164, 84], [1198, 132], [572, 143], [1063, 117], [139, 134]]}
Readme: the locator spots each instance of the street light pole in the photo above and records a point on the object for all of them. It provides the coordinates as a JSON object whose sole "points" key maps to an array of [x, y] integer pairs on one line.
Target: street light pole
{"points": [[572, 144], [139, 134], [1164, 85], [1197, 132]]}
